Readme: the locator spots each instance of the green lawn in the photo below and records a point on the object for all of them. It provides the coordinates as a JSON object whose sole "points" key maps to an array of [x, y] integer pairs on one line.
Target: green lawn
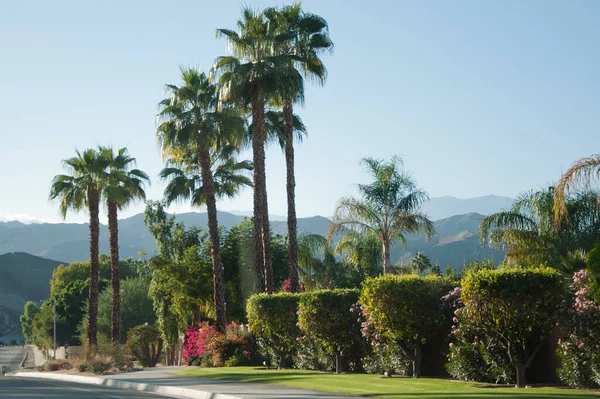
{"points": [[379, 387]]}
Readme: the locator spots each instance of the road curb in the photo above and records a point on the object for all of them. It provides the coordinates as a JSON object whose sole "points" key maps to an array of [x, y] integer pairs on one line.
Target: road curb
{"points": [[107, 382]]}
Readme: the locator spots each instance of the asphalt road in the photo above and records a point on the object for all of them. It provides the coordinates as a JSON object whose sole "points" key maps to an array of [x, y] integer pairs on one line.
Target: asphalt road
{"points": [[25, 388], [12, 356]]}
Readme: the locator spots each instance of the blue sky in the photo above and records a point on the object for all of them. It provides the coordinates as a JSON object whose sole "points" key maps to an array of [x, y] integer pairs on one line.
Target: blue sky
{"points": [[477, 97]]}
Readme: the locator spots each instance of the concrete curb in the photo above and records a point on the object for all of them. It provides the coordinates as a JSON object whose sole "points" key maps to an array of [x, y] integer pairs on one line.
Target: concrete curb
{"points": [[107, 382], [24, 359]]}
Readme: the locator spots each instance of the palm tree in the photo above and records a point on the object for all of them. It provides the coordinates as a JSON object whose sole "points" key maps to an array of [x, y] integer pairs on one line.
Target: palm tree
{"points": [[529, 233], [192, 119], [581, 174], [80, 189], [123, 186], [420, 263], [252, 77], [389, 207], [301, 38], [362, 251]]}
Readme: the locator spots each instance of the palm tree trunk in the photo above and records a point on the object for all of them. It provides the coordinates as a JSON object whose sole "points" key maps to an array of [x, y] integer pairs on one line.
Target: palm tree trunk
{"points": [[261, 209], [213, 231], [113, 229], [288, 130], [93, 201], [386, 257]]}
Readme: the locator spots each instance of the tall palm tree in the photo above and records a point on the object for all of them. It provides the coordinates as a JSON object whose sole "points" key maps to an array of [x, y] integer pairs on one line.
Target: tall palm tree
{"points": [[251, 77], [123, 186], [80, 189], [192, 118], [388, 207], [301, 38], [583, 173], [362, 251]]}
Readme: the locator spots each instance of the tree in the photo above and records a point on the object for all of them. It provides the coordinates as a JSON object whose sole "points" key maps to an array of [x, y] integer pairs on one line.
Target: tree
{"points": [[362, 251], [528, 232], [420, 263], [123, 186], [302, 38], [251, 77], [388, 207], [581, 174], [192, 119], [82, 188], [136, 307], [516, 307], [31, 309]]}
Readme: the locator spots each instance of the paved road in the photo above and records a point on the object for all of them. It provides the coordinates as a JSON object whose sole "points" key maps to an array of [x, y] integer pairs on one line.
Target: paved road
{"points": [[12, 356], [24, 388]]}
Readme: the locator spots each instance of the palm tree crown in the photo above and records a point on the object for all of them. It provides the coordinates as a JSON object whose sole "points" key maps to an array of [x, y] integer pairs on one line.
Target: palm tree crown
{"points": [[389, 206]]}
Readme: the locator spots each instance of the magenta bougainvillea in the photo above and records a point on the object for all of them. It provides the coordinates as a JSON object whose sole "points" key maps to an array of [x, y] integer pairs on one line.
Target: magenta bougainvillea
{"points": [[196, 340]]}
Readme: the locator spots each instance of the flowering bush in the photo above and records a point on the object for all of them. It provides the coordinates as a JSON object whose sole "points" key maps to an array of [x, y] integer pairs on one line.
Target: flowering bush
{"points": [[580, 350], [195, 342], [234, 348]]}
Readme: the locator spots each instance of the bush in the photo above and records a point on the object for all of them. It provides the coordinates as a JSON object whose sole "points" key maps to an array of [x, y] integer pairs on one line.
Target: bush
{"points": [[515, 309], [99, 366], [273, 320], [579, 352], [234, 348], [313, 355], [82, 367], [145, 343], [326, 316], [195, 342], [404, 311]]}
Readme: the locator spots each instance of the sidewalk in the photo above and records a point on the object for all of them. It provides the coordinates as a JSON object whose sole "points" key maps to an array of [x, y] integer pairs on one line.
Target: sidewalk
{"points": [[192, 387]]}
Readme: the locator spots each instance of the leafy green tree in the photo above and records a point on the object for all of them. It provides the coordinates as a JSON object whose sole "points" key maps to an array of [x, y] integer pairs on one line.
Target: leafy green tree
{"points": [[420, 263], [193, 119], [29, 312], [136, 307], [82, 189], [123, 185], [251, 77], [302, 38], [407, 310], [325, 315], [516, 307], [388, 207], [146, 344]]}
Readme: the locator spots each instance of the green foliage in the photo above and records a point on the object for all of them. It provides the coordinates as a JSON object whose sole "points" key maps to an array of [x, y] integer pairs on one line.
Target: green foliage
{"points": [[326, 316], [29, 312], [145, 343], [99, 366], [514, 308], [273, 320], [420, 263], [406, 310], [136, 307]]}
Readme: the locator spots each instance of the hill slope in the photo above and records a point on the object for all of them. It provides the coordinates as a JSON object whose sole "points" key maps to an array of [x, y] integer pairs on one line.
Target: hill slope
{"points": [[23, 277], [444, 207]]}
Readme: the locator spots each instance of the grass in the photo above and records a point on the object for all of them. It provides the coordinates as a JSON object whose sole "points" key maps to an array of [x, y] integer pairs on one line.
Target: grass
{"points": [[379, 387]]}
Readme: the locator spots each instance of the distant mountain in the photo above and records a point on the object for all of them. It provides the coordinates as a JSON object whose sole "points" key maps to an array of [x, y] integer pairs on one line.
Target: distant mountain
{"points": [[444, 207], [454, 243], [23, 277]]}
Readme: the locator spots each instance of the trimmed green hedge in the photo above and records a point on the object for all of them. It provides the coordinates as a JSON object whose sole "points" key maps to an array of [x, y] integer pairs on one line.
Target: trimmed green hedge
{"points": [[273, 320], [406, 310], [326, 316]]}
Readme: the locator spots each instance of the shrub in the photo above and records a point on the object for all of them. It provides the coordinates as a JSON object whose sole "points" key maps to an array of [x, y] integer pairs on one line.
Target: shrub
{"points": [[515, 309], [404, 311], [234, 348], [99, 366], [580, 350], [195, 342], [145, 343], [326, 316], [82, 367], [313, 355], [273, 320]]}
